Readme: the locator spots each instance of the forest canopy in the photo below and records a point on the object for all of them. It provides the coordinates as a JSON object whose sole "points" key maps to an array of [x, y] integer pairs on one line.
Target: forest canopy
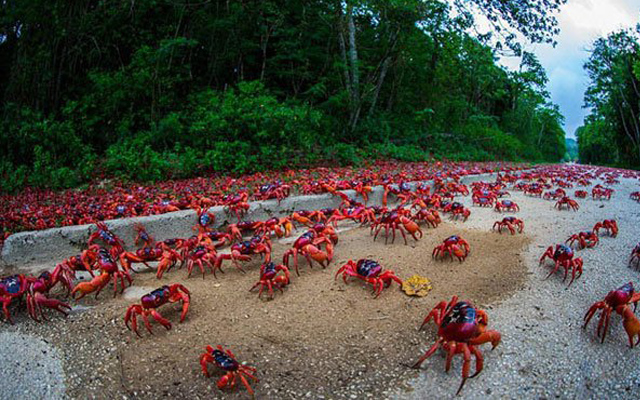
{"points": [[157, 89], [611, 132]]}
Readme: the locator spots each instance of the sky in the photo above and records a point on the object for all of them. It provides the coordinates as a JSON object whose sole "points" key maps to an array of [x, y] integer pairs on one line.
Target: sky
{"points": [[581, 22]]}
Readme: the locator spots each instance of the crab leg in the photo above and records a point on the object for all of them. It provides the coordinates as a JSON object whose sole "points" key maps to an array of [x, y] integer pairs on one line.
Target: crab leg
{"points": [[464, 349], [245, 383], [451, 348], [479, 360], [428, 354], [630, 323], [591, 313], [145, 319], [156, 315]]}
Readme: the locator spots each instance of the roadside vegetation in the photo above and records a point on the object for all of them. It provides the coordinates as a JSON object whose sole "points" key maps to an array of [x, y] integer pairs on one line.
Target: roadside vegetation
{"points": [[611, 133], [152, 90]]}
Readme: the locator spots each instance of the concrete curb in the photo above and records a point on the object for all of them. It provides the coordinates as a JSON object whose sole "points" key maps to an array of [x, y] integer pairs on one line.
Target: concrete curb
{"points": [[33, 251]]}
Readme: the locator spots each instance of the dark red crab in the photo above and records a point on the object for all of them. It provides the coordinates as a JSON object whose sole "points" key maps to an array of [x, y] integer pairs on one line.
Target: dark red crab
{"points": [[587, 239], [618, 300], [506, 205], [461, 328], [226, 361], [512, 223], [609, 225], [563, 257], [270, 278], [309, 244], [369, 271], [568, 203], [150, 302], [101, 259], [399, 219], [452, 246], [103, 233], [635, 257], [243, 251], [14, 287]]}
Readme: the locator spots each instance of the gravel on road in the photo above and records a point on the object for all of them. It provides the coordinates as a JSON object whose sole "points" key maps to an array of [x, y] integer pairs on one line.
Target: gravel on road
{"points": [[545, 353]]}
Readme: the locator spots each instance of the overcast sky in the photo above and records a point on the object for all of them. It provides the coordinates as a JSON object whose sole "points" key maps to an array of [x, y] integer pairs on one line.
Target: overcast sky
{"points": [[581, 22]]}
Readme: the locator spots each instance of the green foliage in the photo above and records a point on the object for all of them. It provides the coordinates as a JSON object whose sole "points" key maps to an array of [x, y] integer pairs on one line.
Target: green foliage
{"points": [[161, 89], [611, 133], [597, 143]]}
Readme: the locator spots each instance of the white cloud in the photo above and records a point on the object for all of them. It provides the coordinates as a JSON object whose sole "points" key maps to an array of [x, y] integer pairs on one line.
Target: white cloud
{"points": [[581, 22], [597, 17]]}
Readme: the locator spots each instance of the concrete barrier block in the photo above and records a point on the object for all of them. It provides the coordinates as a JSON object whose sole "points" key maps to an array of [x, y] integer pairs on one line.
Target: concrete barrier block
{"points": [[36, 250]]}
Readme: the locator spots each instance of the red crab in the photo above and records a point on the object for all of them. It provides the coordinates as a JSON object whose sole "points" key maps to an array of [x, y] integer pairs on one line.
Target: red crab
{"points": [[151, 301], [357, 214], [165, 255], [396, 219], [225, 360], [618, 300], [280, 226], [431, 217], [511, 223], [36, 289], [202, 254], [362, 189], [270, 279], [635, 256], [588, 239], [65, 272], [217, 238], [568, 202], [105, 235], [581, 194], [242, 251], [554, 194], [461, 328], [599, 193], [205, 221], [609, 225], [458, 188], [563, 257], [309, 245], [635, 196], [237, 204], [534, 190], [276, 190], [507, 205], [483, 198], [453, 246], [457, 209], [109, 269], [369, 271], [236, 230], [142, 237], [309, 218], [401, 191]]}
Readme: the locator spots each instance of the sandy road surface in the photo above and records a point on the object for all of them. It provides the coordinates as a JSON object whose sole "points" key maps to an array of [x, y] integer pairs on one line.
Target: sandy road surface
{"points": [[545, 353], [322, 339]]}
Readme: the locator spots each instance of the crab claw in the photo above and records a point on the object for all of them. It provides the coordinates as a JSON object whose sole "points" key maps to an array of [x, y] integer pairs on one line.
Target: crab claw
{"points": [[94, 285]]}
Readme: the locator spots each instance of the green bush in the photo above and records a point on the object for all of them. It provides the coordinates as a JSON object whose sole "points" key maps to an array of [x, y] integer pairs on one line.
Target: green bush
{"points": [[344, 154], [229, 156], [12, 178], [135, 159]]}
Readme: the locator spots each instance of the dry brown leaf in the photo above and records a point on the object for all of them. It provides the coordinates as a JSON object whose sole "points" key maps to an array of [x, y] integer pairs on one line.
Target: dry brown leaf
{"points": [[417, 286]]}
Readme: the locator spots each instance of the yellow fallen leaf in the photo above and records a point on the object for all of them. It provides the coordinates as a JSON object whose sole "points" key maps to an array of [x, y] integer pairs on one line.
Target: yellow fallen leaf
{"points": [[417, 286]]}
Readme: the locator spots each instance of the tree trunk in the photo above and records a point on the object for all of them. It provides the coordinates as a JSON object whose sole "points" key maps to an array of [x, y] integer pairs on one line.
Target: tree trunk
{"points": [[383, 72], [354, 70]]}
